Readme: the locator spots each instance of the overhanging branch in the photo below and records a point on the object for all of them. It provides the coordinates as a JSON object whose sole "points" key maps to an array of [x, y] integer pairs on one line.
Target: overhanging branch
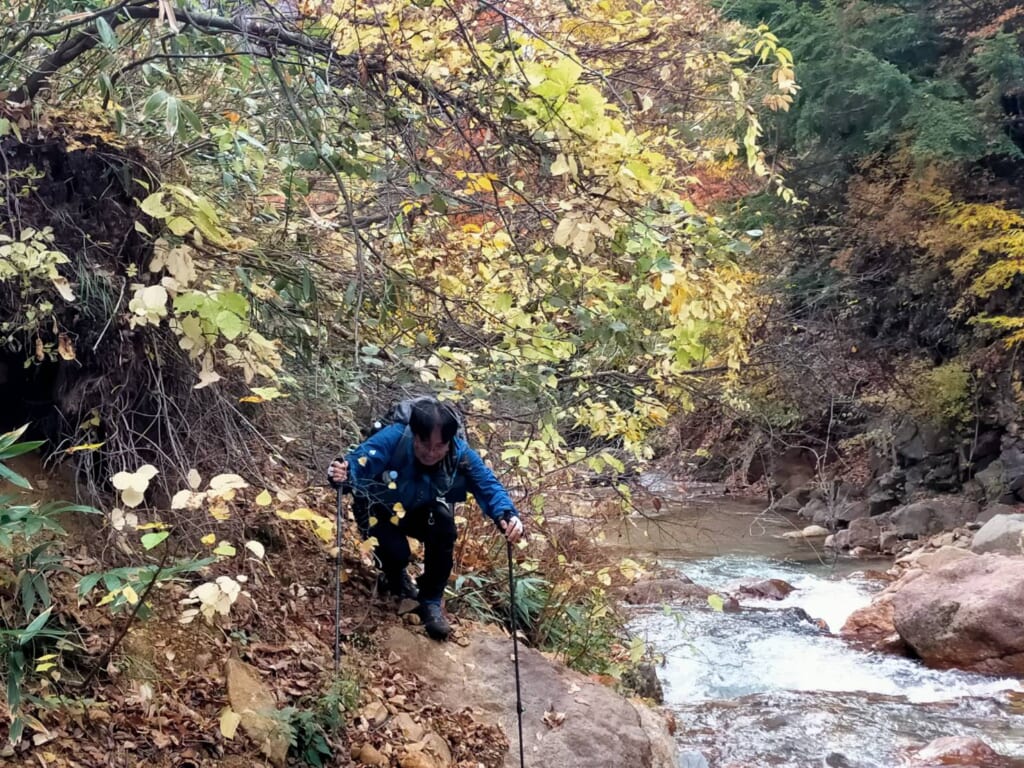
{"points": [[255, 32]]}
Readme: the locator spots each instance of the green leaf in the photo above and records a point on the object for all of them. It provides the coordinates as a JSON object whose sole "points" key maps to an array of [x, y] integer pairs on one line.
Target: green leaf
{"points": [[13, 477], [171, 118], [7, 439], [20, 448], [151, 540], [107, 35], [33, 629], [88, 583], [155, 103], [229, 324], [716, 602], [153, 206], [233, 302]]}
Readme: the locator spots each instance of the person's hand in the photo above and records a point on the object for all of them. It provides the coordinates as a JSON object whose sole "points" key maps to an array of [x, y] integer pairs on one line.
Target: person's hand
{"points": [[512, 527], [338, 471]]}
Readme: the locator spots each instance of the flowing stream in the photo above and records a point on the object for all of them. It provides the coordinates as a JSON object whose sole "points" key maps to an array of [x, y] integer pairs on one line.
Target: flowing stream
{"points": [[762, 687]]}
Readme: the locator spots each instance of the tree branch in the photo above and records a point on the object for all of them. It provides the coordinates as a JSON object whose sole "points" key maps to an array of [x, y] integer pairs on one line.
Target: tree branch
{"points": [[258, 32]]}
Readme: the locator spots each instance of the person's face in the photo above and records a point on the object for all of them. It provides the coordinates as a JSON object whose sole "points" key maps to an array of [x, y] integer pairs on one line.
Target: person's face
{"points": [[429, 452]]}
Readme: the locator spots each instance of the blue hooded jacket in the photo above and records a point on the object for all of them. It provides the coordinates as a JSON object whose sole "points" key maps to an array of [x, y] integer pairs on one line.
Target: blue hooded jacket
{"points": [[462, 471]]}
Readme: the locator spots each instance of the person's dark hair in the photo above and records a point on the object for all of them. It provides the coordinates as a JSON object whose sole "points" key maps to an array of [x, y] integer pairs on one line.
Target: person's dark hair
{"points": [[429, 413]]}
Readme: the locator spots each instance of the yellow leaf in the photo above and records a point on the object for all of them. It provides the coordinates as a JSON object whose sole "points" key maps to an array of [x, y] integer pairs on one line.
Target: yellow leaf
{"points": [[369, 545], [229, 720], [263, 499], [85, 447], [208, 539], [129, 594], [219, 512]]}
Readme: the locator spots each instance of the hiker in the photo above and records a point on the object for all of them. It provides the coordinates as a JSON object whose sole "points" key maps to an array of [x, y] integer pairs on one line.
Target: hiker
{"points": [[405, 479]]}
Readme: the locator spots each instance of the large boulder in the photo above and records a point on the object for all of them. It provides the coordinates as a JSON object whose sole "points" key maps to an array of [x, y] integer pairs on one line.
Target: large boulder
{"points": [[569, 720], [966, 614], [1003, 534], [924, 518]]}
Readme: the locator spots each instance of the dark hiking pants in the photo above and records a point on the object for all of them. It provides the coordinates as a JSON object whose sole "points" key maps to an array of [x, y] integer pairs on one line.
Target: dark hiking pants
{"points": [[434, 525]]}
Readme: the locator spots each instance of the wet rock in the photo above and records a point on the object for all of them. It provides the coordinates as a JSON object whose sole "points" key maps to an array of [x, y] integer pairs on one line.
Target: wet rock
{"points": [[872, 627], [787, 619], [959, 750], [655, 591], [965, 614], [256, 705], [769, 589], [1001, 534]]}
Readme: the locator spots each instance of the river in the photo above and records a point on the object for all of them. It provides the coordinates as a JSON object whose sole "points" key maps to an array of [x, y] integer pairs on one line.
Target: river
{"points": [[760, 688]]}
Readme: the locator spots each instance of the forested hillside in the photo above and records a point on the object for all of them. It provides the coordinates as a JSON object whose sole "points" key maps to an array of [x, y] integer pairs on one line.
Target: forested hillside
{"points": [[892, 290]]}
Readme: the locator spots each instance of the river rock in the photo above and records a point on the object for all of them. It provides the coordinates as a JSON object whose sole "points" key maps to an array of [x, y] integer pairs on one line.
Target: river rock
{"points": [[810, 532], [872, 628], [864, 532], [924, 518], [848, 511], [1001, 534], [770, 589], [816, 510], [966, 614], [657, 591], [794, 500]]}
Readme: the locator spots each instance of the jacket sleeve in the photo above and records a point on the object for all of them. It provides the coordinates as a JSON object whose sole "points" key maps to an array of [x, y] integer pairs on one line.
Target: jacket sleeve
{"points": [[369, 460], [486, 488]]}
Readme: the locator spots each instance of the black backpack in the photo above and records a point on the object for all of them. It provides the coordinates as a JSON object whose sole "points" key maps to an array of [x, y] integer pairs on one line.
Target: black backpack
{"points": [[401, 412]]}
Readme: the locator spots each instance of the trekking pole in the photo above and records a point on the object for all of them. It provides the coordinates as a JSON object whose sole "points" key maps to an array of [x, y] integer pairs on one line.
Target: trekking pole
{"points": [[337, 585], [515, 650]]}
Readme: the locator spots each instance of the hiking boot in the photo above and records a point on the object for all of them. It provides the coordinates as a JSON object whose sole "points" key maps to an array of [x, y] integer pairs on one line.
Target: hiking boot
{"points": [[434, 622], [398, 585]]}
